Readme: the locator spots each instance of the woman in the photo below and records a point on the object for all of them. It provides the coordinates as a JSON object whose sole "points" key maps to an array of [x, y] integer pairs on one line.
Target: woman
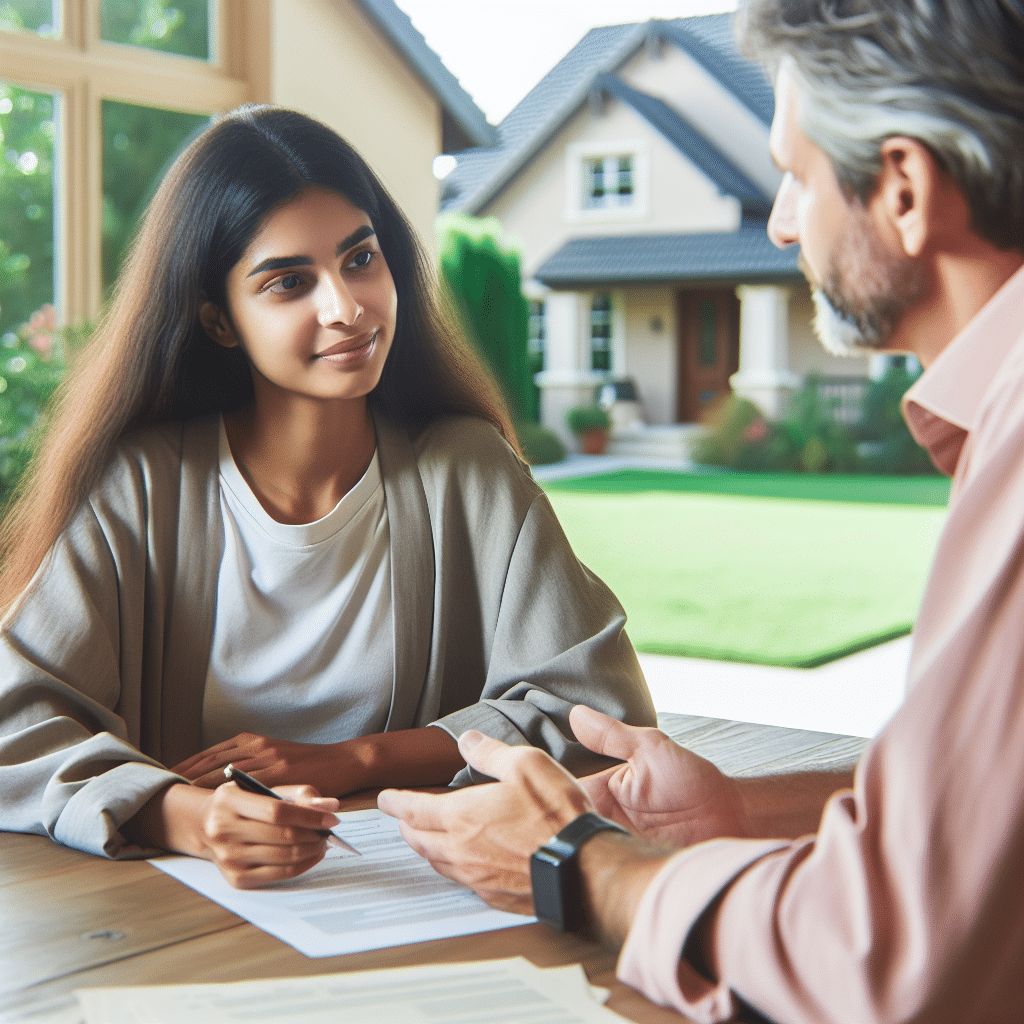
{"points": [[278, 520]]}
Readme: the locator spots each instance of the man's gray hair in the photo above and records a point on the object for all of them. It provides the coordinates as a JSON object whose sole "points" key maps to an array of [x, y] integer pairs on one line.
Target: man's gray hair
{"points": [[949, 73]]}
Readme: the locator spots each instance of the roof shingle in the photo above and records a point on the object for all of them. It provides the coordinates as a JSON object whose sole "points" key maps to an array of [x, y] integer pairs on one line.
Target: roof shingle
{"points": [[623, 259]]}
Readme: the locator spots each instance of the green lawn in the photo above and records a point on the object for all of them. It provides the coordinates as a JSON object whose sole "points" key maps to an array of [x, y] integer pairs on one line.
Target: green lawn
{"points": [[784, 570]]}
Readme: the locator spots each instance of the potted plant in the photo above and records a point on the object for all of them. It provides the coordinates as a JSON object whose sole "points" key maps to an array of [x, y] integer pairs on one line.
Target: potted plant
{"points": [[590, 423]]}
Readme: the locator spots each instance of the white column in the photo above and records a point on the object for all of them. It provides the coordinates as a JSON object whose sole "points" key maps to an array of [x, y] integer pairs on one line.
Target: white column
{"points": [[764, 375], [565, 381]]}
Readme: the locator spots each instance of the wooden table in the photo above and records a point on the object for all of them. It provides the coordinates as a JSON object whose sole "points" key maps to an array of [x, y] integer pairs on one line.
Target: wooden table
{"points": [[69, 920]]}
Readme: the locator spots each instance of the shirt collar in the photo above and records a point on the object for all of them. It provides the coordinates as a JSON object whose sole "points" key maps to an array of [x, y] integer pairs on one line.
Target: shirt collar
{"points": [[942, 406]]}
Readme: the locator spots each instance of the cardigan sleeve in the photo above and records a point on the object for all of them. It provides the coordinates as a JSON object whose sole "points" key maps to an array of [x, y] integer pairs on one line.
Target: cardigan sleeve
{"points": [[70, 667], [529, 631]]}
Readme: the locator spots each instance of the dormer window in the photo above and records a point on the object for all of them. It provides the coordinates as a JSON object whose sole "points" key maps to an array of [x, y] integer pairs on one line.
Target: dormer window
{"points": [[608, 182]]}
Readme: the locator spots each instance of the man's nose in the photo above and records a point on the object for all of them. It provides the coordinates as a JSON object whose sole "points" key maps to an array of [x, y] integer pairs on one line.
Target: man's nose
{"points": [[337, 304], [782, 224]]}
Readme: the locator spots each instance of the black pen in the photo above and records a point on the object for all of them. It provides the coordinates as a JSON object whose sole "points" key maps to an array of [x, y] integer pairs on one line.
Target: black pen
{"points": [[251, 785]]}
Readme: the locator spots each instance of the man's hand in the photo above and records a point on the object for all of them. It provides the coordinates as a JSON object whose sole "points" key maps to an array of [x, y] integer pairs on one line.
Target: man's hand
{"points": [[662, 791], [483, 836]]}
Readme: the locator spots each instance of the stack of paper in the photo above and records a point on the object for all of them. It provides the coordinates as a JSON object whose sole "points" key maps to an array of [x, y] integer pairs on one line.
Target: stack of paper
{"points": [[506, 991], [389, 896]]}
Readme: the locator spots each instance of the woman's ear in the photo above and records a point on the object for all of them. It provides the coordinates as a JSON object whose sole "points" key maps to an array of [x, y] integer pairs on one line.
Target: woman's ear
{"points": [[216, 323]]}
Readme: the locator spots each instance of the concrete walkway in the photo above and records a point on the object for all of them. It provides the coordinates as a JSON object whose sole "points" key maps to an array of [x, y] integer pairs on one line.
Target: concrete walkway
{"points": [[854, 696]]}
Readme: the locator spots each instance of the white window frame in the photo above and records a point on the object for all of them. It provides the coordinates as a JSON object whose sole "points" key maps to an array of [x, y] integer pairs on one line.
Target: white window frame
{"points": [[578, 154], [83, 71]]}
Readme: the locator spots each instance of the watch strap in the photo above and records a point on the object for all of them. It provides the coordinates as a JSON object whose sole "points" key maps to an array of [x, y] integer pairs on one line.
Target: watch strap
{"points": [[555, 876]]}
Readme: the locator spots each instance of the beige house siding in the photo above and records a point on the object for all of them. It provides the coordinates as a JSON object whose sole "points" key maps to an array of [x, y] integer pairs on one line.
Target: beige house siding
{"points": [[537, 208], [328, 60], [685, 85]]}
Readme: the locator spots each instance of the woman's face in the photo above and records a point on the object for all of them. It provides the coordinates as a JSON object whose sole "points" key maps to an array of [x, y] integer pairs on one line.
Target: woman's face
{"points": [[311, 302]]}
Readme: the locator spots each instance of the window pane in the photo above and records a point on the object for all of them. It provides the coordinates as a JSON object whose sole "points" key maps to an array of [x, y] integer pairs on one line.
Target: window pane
{"points": [[27, 130], [138, 145], [172, 26], [601, 332], [37, 16]]}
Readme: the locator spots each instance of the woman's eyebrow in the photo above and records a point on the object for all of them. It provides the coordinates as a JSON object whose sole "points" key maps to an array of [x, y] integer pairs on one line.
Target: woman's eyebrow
{"points": [[280, 262], [366, 231]]}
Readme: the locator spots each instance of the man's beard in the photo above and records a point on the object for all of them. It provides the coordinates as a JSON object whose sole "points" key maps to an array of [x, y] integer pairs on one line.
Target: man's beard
{"points": [[866, 291]]}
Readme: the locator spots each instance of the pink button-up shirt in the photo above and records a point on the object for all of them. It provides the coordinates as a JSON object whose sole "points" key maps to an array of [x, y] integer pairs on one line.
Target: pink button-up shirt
{"points": [[908, 904]]}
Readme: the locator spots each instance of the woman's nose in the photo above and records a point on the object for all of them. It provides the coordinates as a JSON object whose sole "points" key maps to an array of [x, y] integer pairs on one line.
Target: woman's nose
{"points": [[338, 305], [782, 224]]}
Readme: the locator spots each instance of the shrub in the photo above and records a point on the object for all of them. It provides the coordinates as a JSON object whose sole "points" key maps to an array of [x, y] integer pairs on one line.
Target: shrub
{"points": [[807, 440], [33, 361], [540, 446], [582, 418], [890, 447]]}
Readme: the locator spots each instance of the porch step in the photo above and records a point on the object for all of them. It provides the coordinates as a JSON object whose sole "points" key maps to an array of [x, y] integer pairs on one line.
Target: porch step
{"points": [[671, 442]]}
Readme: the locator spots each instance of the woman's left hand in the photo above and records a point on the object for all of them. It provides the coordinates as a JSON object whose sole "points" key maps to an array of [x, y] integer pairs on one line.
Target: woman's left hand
{"points": [[332, 768]]}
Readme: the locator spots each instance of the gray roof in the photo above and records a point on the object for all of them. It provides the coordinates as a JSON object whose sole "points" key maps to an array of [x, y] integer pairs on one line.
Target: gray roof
{"points": [[482, 173], [695, 147], [710, 42], [745, 254], [554, 97], [467, 118]]}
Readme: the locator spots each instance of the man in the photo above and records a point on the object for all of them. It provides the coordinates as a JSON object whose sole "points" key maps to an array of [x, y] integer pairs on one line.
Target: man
{"points": [[897, 894]]}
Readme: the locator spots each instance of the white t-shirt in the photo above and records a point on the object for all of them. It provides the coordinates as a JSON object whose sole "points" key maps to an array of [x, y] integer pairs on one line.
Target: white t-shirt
{"points": [[303, 643]]}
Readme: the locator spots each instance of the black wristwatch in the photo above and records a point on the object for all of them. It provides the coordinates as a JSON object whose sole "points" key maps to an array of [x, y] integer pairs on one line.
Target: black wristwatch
{"points": [[555, 873]]}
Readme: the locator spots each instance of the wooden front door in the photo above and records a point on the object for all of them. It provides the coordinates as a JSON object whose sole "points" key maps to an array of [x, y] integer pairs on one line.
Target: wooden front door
{"points": [[708, 348]]}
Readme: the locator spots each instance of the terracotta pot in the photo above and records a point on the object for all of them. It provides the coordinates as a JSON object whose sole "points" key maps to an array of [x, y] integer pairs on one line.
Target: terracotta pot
{"points": [[594, 442]]}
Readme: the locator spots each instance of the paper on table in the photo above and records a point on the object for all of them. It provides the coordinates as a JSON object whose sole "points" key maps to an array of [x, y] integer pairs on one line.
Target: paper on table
{"points": [[511, 991], [389, 896]]}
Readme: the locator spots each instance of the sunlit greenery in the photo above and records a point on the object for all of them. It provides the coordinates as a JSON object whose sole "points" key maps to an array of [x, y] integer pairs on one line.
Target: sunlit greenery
{"points": [[173, 26], [27, 131], [28, 16], [138, 144]]}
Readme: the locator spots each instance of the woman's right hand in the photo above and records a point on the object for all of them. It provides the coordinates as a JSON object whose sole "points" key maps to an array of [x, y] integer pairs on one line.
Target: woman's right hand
{"points": [[252, 839]]}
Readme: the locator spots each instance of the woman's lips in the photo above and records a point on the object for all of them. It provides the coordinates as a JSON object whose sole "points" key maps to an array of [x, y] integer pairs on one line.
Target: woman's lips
{"points": [[350, 350]]}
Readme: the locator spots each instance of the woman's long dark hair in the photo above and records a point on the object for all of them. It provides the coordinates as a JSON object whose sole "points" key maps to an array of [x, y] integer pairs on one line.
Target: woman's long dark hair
{"points": [[150, 359]]}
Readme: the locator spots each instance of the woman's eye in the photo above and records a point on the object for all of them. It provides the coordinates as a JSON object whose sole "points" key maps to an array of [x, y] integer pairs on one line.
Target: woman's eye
{"points": [[288, 283], [361, 259]]}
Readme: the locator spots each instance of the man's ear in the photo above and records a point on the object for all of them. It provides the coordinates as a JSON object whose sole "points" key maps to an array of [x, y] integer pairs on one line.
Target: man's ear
{"points": [[216, 323], [908, 191]]}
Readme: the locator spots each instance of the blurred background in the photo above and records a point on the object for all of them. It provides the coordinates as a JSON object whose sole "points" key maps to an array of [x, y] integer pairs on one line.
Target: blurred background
{"points": [[593, 180]]}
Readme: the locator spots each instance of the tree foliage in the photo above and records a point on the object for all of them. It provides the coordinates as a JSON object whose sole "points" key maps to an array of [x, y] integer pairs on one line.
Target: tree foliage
{"points": [[484, 280], [27, 130]]}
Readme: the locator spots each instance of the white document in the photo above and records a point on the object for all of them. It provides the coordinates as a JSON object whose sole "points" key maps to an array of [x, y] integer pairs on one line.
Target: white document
{"points": [[507, 991], [390, 896]]}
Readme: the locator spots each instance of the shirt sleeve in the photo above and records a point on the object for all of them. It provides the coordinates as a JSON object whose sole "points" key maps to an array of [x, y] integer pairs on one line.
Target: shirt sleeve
{"points": [[906, 905], [559, 640], [69, 767]]}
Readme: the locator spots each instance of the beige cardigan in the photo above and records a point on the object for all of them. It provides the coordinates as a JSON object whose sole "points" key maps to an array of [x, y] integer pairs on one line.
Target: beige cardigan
{"points": [[103, 658]]}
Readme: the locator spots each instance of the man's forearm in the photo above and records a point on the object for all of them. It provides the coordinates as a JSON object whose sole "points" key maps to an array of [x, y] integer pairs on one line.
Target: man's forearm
{"points": [[787, 806], [615, 870]]}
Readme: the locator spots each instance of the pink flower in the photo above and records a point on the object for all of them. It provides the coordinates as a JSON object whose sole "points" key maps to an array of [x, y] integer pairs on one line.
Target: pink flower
{"points": [[756, 431], [42, 343], [41, 328]]}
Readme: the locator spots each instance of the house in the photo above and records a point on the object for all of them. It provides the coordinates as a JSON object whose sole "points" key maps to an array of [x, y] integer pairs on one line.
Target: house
{"points": [[390, 94], [637, 179], [358, 65]]}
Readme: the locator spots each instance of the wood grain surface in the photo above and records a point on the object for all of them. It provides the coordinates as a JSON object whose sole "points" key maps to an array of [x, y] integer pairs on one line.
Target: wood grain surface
{"points": [[69, 920]]}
